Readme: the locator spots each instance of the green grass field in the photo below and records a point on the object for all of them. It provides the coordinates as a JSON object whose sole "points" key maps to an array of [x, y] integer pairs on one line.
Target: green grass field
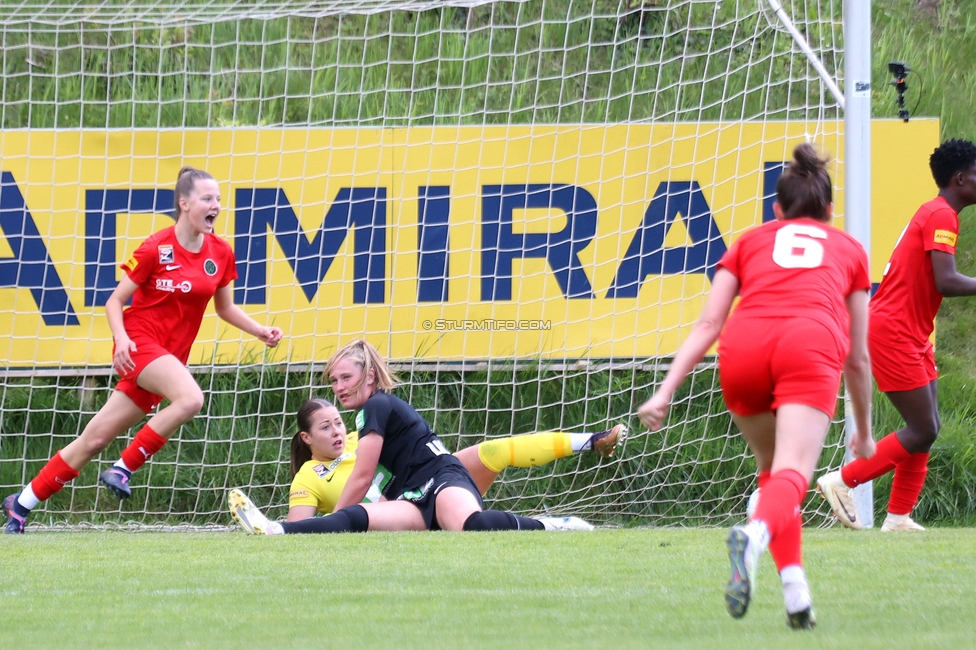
{"points": [[151, 78], [613, 588], [605, 589]]}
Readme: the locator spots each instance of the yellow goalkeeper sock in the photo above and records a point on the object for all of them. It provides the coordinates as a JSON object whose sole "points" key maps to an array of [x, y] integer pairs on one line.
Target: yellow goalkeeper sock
{"points": [[530, 450]]}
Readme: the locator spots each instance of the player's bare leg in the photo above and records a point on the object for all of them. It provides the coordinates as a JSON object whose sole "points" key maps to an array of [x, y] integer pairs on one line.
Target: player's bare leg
{"points": [[168, 377], [798, 437], [117, 415]]}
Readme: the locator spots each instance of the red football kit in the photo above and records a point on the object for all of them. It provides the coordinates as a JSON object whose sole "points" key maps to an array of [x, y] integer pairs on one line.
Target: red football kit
{"points": [[175, 287], [788, 337], [904, 308]]}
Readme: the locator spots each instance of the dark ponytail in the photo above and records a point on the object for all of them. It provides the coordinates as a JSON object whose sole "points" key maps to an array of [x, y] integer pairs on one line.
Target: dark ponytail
{"points": [[804, 189], [301, 452]]}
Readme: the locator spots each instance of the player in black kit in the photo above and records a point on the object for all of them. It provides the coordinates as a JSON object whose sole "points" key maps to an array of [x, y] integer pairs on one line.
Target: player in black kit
{"points": [[429, 488]]}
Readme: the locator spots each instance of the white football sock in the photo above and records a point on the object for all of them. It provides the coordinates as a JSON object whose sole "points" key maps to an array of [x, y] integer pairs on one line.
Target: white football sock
{"points": [[796, 591]]}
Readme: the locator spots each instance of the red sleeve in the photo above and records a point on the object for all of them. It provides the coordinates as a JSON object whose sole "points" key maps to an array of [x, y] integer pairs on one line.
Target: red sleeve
{"points": [[940, 231], [730, 261], [230, 267], [860, 277], [142, 263]]}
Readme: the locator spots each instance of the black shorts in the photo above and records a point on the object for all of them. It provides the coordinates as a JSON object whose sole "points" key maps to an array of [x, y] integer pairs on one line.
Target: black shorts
{"points": [[425, 497]]}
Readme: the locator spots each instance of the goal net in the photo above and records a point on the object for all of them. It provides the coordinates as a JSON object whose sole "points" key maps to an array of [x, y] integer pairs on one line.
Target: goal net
{"points": [[519, 203]]}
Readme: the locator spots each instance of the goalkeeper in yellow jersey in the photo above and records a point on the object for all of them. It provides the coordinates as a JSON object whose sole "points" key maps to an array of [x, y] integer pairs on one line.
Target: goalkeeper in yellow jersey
{"points": [[323, 455]]}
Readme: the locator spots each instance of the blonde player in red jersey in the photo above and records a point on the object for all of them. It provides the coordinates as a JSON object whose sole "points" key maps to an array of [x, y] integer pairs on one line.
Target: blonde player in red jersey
{"points": [[171, 278], [921, 271], [800, 322]]}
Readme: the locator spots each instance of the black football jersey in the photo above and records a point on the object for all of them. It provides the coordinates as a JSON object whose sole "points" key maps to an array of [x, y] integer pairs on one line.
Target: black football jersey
{"points": [[411, 451]]}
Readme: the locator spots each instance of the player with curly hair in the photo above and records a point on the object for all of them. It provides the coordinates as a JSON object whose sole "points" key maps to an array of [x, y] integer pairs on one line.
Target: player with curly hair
{"points": [[921, 272]]}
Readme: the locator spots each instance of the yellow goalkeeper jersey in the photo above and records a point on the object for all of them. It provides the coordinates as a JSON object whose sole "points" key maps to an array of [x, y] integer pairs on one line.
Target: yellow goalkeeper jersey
{"points": [[319, 483]]}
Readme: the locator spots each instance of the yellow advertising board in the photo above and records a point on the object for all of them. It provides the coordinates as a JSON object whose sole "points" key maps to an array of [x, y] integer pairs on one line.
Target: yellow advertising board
{"points": [[435, 243]]}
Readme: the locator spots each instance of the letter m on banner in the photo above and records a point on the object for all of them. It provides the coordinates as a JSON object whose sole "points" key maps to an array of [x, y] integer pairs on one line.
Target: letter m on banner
{"points": [[362, 210]]}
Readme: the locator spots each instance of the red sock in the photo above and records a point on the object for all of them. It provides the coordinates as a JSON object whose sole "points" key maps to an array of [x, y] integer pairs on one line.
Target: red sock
{"points": [[907, 483], [779, 508], [52, 477], [146, 443], [763, 477], [787, 547], [888, 453]]}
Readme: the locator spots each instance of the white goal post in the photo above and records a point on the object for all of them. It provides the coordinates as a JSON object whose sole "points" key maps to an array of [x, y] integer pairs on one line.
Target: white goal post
{"points": [[519, 203]]}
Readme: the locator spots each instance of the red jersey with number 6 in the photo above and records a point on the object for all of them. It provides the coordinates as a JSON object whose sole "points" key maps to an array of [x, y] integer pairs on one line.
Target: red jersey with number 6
{"points": [[904, 308], [175, 287], [800, 268]]}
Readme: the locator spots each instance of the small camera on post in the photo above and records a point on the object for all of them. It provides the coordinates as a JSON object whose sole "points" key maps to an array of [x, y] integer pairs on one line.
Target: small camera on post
{"points": [[899, 70]]}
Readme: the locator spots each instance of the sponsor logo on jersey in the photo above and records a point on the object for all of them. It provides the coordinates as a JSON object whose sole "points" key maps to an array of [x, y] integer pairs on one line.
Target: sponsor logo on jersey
{"points": [[946, 237], [165, 254], [382, 479], [322, 470], [167, 285], [132, 263], [210, 267], [361, 419], [172, 267], [298, 494]]}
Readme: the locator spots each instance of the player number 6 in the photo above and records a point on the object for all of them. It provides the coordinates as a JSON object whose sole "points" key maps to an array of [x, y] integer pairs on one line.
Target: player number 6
{"points": [[794, 248]]}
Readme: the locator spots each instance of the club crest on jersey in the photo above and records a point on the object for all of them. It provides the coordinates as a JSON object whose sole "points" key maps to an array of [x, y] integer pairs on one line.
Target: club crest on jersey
{"points": [[210, 267], [361, 419], [165, 254]]}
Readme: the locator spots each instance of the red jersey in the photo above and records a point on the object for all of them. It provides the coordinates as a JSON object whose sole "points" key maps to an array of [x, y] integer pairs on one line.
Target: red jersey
{"points": [[799, 268], [903, 310], [175, 287]]}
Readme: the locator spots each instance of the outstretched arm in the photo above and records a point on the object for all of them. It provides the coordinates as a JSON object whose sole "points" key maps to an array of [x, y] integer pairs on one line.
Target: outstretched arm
{"points": [[948, 280], [124, 346], [857, 375], [703, 335], [231, 313]]}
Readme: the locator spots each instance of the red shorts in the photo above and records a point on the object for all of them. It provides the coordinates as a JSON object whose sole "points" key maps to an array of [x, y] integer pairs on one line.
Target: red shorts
{"points": [[146, 352], [898, 368], [765, 363]]}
